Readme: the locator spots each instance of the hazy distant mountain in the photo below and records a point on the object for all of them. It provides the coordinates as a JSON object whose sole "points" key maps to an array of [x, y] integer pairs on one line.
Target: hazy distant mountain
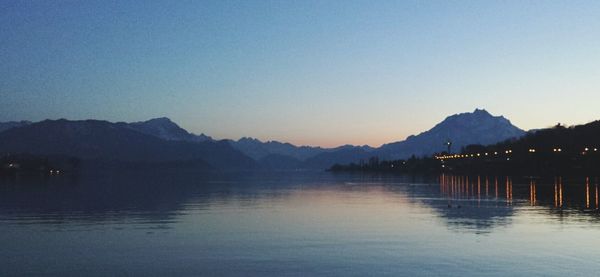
{"points": [[257, 149], [102, 140], [280, 162], [12, 124], [478, 127], [166, 129], [343, 155]]}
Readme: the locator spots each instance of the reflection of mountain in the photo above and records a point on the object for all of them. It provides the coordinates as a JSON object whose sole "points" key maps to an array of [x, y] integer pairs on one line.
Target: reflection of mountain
{"points": [[112, 195], [159, 197], [461, 208], [481, 203]]}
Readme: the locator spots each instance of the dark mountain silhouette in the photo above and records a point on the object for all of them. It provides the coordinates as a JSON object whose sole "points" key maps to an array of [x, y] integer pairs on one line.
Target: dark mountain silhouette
{"points": [[478, 127], [343, 155], [166, 129], [105, 141], [557, 151], [554, 151], [314, 157], [13, 124], [280, 162], [257, 149]]}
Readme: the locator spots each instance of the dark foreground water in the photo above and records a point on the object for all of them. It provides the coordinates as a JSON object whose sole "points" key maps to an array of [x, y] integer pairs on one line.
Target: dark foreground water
{"points": [[178, 223]]}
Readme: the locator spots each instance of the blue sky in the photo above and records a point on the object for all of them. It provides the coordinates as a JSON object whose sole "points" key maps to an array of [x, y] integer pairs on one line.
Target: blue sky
{"points": [[309, 72]]}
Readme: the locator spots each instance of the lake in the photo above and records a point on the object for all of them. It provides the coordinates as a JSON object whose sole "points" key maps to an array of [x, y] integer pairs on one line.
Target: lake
{"points": [[297, 224]]}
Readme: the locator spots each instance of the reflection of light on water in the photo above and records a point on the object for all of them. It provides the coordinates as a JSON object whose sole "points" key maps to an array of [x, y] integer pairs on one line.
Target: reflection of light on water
{"points": [[587, 192], [468, 199], [478, 188], [472, 188], [509, 193], [496, 182], [596, 196], [558, 192], [555, 194], [463, 187], [487, 186], [532, 193], [466, 187]]}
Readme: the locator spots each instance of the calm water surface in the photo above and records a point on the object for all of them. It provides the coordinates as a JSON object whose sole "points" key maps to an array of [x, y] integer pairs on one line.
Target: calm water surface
{"points": [[300, 224]]}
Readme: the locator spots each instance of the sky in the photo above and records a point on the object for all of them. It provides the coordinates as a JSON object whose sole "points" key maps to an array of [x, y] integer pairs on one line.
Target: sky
{"points": [[321, 73]]}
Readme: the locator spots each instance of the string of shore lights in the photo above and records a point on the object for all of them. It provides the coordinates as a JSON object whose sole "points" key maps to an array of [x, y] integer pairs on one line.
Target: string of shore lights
{"points": [[507, 152]]}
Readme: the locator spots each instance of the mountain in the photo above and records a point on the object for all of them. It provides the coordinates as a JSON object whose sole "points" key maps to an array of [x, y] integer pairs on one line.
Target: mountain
{"points": [[556, 151], [257, 149], [280, 162], [162, 128], [160, 139], [13, 124], [106, 141], [165, 129], [343, 155], [478, 127]]}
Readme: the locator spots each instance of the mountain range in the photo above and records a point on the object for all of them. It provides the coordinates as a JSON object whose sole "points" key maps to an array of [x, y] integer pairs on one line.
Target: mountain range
{"points": [[13, 124], [96, 140], [161, 140], [478, 127]]}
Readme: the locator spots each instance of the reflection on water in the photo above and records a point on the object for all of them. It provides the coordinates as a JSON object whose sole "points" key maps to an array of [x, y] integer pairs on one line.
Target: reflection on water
{"points": [[532, 193], [183, 223], [579, 194]]}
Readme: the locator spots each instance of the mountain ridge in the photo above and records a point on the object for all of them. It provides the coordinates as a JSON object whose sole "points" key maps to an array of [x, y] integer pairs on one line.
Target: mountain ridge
{"points": [[103, 140], [462, 129]]}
